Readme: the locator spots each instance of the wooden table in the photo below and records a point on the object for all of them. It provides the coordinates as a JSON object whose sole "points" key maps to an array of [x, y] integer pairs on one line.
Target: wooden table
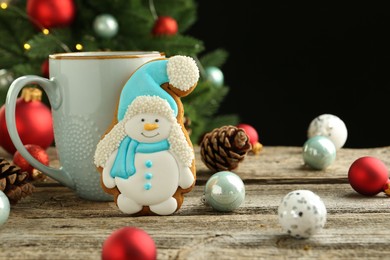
{"points": [[53, 223]]}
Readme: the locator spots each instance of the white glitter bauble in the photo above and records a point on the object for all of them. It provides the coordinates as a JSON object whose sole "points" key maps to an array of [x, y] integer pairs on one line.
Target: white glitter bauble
{"points": [[330, 126], [302, 213]]}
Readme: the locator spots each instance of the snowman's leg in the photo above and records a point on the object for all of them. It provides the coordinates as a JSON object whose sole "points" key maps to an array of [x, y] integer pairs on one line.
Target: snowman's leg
{"points": [[166, 207], [127, 205]]}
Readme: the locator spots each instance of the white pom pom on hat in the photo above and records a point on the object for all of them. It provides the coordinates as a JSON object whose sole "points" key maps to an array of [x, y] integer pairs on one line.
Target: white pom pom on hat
{"points": [[180, 71], [183, 73]]}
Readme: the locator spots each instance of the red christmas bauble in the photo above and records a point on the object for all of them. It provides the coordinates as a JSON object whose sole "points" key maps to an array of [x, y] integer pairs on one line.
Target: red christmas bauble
{"points": [[165, 25], [368, 175], [51, 13], [37, 152], [251, 133], [45, 68], [33, 119], [129, 243]]}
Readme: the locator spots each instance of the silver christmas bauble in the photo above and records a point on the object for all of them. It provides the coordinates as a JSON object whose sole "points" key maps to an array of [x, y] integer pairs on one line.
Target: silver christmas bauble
{"points": [[6, 79], [105, 26]]}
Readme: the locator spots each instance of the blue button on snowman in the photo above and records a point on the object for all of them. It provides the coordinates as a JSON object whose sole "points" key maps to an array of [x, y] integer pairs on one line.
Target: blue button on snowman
{"points": [[146, 158]]}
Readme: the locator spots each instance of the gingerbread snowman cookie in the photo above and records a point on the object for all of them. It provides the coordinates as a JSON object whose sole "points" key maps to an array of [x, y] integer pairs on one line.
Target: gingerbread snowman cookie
{"points": [[146, 158]]}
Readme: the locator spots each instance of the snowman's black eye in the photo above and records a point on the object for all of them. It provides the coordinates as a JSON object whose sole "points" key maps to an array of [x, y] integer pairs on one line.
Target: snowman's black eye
{"points": [[156, 120], [142, 119]]}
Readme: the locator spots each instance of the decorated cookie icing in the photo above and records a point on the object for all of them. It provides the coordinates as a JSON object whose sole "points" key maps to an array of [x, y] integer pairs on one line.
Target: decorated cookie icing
{"points": [[146, 158]]}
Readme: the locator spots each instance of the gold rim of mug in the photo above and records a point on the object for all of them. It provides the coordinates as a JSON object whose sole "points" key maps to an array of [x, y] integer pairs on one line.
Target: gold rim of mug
{"points": [[105, 55]]}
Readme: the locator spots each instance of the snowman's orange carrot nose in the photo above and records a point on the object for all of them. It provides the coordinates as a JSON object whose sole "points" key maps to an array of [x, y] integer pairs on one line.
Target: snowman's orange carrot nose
{"points": [[150, 127]]}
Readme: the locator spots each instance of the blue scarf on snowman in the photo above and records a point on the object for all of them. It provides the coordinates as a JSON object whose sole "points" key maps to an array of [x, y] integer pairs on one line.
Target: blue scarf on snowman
{"points": [[124, 162]]}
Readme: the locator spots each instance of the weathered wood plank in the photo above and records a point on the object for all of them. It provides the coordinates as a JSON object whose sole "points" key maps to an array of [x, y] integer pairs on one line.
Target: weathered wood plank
{"points": [[285, 164], [218, 237], [279, 164], [60, 202], [200, 237], [54, 224]]}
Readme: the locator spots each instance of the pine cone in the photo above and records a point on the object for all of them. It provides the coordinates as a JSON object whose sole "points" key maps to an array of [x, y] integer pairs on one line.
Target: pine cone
{"points": [[224, 148], [14, 182]]}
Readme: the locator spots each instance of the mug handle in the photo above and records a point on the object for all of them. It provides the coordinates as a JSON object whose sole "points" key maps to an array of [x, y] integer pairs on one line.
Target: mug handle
{"points": [[53, 93]]}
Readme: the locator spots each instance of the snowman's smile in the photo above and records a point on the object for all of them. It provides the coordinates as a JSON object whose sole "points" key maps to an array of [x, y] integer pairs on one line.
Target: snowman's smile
{"points": [[150, 136]]}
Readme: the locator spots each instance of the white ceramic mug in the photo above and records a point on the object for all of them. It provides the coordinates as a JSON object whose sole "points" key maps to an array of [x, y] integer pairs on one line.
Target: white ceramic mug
{"points": [[83, 91]]}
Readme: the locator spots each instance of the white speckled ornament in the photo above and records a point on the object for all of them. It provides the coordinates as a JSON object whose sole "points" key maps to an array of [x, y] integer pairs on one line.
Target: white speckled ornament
{"points": [[4, 208], [302, 213], [331, 126]]}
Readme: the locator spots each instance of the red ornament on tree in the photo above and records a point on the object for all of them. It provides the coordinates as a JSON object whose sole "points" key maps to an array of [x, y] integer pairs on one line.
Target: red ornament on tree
{"points": [[45, 68], [253, 137], [369, 176], [165, 25], [38, 153], [34, 122], [129, 243], [51, 13]]}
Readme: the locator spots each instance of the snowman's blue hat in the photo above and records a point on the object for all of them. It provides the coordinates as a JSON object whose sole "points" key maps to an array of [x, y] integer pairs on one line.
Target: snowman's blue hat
{"points": [[180, 71]]}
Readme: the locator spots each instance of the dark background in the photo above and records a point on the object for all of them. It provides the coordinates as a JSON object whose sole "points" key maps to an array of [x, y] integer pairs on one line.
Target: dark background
{"points": [[289, 63]]}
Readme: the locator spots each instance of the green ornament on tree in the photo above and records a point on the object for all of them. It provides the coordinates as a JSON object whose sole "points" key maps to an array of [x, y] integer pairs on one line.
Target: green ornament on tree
{"points": [[214, 75]]}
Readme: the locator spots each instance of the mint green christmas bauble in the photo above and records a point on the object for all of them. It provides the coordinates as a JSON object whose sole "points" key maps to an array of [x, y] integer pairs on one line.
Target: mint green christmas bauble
{"points": [[215, 75], [4, 208], [224, 191], [105, 26], [319, 152]]}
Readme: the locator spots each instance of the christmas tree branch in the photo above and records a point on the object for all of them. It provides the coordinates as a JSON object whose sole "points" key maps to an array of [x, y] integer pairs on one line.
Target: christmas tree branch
{"points": [[153, 9], [214, 58], [7, 33]]}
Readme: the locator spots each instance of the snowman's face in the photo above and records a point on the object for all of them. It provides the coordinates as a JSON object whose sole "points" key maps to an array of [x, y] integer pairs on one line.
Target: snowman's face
{"points": [[148, 128]]}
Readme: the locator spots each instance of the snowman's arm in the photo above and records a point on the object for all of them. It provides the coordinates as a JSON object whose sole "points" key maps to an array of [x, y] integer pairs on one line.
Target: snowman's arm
{"points": [[186, 177], [108, 181]]}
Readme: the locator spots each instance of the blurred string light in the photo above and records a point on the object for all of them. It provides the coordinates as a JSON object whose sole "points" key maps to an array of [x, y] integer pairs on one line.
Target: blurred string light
{"points": [[79, 47], [3, 5], [26, 46]]}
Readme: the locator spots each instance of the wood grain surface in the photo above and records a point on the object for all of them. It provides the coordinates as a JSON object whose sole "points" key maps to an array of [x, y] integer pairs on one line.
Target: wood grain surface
{"points": [[53, 223]]}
